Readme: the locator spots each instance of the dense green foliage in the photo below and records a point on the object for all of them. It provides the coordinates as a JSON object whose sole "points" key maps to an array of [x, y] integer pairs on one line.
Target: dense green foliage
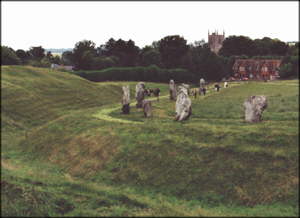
{"points": [[241, 45], [211, 67], [151, 73], [35, 56], [23, 55], [290, 63], [60, 157], [150, 56], [170, 52], [83, 54], [126, 51], [172, 49], [237, 45], [37, 53], [8, 56]]}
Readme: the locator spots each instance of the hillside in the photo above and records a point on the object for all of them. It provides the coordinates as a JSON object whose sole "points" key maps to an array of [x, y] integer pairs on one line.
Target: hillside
{"points": [[63, 144]]}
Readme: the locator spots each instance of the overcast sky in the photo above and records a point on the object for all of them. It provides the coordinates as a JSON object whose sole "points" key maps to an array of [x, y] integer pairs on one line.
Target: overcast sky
{"points": [[62, 24]]}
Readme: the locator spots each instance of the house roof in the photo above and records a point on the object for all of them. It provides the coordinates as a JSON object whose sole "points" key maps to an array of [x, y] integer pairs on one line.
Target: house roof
{"points": [[256, 64]]}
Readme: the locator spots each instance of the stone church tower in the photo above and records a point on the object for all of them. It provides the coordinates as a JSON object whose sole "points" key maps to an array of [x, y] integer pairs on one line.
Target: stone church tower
{"points": [[215, 41]]}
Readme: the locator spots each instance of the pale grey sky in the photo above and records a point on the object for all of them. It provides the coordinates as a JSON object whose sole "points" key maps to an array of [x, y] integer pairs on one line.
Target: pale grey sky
{"points": [[62, 24]]}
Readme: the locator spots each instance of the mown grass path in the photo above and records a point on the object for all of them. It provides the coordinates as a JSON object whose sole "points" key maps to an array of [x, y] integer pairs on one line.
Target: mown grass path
{"points": [[104, 114]]}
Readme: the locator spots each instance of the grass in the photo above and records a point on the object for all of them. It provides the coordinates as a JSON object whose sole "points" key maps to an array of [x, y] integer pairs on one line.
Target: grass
{"points": [[68, 151]]}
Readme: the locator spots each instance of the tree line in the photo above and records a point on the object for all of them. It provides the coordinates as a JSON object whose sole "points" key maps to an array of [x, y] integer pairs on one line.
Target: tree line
{"points": [[170, 52]]}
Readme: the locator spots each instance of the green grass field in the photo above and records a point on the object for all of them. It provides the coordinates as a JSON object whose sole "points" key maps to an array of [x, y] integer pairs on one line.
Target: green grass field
{"points": [[66, 150]]}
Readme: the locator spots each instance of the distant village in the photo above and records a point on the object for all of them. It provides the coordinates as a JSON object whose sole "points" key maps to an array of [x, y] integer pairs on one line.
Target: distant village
{"points": [[243, 69]]}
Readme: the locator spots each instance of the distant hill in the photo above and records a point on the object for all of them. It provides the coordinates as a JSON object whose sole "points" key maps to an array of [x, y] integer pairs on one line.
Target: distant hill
{"points": [[58, 50]]}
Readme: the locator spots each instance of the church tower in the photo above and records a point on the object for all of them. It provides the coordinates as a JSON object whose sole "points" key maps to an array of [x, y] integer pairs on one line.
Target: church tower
{"points": [[215, 41]]}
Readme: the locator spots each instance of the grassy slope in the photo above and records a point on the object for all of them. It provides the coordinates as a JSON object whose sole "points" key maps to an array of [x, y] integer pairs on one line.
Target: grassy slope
{"points": [[215, 154], [55, 150]]}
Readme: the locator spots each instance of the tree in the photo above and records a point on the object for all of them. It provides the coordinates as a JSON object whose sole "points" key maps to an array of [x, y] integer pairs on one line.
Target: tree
{"points": [[289, 67], [37, 53], [8, 56], [262, 46], [150, 56], [237, 45], [278, 48], [272, 47], [67, 58], [172, 49], [22, 55], [83, 54], [126, 51], [203, 63], [293, 50], [132, 52]]}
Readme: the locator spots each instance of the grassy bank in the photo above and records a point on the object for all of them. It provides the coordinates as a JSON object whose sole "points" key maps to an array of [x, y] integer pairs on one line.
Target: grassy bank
{"points": [[59, 158]]}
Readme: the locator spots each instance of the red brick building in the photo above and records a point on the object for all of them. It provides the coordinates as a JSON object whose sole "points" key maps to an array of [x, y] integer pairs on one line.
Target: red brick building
{"points": [[257, 69]]}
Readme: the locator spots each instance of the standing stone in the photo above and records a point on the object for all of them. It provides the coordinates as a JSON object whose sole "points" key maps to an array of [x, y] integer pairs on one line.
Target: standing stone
{"points": [[187, 86], [126, 100], [139, 94], [202, 83], [173, 92], [254, 107], [183, 107], [202, 86], [225, 84], [147, 107]]}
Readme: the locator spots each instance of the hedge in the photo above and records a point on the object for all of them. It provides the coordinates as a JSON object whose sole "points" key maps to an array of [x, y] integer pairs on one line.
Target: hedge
{"points": [[150, 74]]}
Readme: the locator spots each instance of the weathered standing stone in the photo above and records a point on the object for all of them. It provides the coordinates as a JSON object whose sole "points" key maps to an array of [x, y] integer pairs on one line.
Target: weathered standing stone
{"points": [[173, 92], [183, 107], [187, 86], [126, 100], [202, 86], [147, 107], [202, 83], [254, 106], [139, 94]]}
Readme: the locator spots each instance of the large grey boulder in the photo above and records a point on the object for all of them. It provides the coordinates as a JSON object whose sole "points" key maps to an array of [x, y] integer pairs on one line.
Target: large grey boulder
{"points": [[139, 94], [126, 100], [183, 107], [172, 88], [254, 107], [147, 107]]}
